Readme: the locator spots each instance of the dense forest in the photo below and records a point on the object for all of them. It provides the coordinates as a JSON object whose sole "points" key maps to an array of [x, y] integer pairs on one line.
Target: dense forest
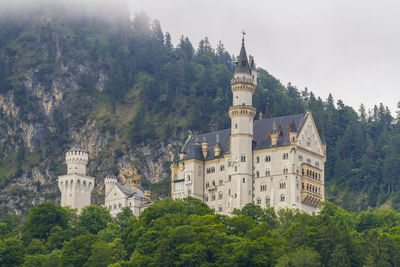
{"points": [[188, 233], [124, 91]]}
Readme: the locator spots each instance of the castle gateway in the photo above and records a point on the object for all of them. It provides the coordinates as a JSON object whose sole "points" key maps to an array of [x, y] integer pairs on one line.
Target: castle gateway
{"points": [[276, 161]]}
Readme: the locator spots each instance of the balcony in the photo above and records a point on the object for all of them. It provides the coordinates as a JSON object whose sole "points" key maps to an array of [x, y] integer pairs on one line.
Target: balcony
{"points": [[211, 187], [310, 198]]}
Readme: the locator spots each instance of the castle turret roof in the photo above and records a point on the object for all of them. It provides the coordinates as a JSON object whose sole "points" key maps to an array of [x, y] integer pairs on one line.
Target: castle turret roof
{"points": [[242, 65], [76, 147]]}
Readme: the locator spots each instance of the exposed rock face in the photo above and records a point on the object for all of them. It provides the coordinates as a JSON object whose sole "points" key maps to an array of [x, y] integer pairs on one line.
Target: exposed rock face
{"points": [[48, 110]]}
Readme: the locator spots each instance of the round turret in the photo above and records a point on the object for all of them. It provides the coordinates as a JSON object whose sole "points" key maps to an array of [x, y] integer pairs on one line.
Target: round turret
{"points": [[109, 182], [77, 159]]}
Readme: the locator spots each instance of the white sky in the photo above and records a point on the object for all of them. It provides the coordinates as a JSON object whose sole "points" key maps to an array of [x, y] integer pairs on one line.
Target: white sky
{"points": [[348, 48]]}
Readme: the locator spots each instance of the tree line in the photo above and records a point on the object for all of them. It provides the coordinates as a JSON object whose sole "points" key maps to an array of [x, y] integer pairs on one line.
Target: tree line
{"points": [[188, 233]]}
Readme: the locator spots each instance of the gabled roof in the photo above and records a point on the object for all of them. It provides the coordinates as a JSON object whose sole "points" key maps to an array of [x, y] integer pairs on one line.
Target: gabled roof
{"points": [[261, 139], [127, 190]]}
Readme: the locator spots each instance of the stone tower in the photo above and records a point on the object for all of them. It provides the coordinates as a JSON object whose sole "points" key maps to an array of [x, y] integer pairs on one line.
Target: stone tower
{"points": [[76, 187], [109, 182], [242, 113]]}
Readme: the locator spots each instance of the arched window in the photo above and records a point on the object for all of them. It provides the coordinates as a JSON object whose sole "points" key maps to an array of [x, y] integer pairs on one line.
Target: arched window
{"points": [[235, 168], [267, 158], [213, 197], [229, 178], [282, 198], [302, 186], [302, 172], [229, 191], [257, 174], [220, 195], [189, 190], [205, 198], [243, 158], [258, 160], [267, 200], [220, 208], [244, 180], [267, 173], [258, 201]]}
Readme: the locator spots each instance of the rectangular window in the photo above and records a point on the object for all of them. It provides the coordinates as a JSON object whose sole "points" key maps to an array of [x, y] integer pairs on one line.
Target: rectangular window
{"points": [[179, 186]]}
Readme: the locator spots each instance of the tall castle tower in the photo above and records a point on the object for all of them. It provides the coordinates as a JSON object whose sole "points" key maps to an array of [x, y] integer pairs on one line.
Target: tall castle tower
{"points": [[242, 113], [76, 187]]}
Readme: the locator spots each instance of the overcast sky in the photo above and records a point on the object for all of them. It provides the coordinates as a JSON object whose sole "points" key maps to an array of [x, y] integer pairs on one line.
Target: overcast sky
{"points": [[348, 48]]}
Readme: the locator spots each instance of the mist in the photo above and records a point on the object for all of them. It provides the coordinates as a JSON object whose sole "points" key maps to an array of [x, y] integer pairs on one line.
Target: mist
{"points": [[105, 9]]}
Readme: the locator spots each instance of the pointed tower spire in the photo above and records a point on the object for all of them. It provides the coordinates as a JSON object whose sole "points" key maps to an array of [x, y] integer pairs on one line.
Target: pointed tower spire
{"points": [[243, 62]]}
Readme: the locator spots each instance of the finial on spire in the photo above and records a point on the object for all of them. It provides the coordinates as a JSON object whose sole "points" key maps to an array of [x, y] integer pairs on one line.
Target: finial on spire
{"points": [[243, 34]]}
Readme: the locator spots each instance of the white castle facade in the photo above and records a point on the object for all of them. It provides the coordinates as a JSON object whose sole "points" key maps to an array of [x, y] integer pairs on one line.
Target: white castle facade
{"points": [[76, 187], [277, 161]]}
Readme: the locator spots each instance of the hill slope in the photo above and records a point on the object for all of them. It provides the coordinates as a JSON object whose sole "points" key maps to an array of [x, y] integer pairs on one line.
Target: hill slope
{"points": [[120, 89]]}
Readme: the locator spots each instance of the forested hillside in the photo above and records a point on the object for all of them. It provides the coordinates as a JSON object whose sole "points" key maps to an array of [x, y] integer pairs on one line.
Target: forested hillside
{"points": [[122, 90], [188, 233]]}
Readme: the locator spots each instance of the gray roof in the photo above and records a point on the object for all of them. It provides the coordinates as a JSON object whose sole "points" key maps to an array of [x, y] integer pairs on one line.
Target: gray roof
{"points": [[261, 139], [76, 147], [242, 65], [253, 64], [128, 190]]}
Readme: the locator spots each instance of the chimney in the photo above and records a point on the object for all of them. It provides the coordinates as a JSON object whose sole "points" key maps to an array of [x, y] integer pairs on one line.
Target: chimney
{"points": [[217, 147], [274, 134]]}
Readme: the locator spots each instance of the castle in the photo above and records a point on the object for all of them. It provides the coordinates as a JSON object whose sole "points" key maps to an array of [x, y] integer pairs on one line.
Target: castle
{"points": [[276, 161], [76, 187]]}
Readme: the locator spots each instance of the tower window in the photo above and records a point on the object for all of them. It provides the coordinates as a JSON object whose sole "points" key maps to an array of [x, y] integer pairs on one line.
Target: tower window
{"points": [[282, 198], [244, 180], [235, 125], [243, 158], [258, 160], [268, 158], [258, 201], [257, 174]]}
